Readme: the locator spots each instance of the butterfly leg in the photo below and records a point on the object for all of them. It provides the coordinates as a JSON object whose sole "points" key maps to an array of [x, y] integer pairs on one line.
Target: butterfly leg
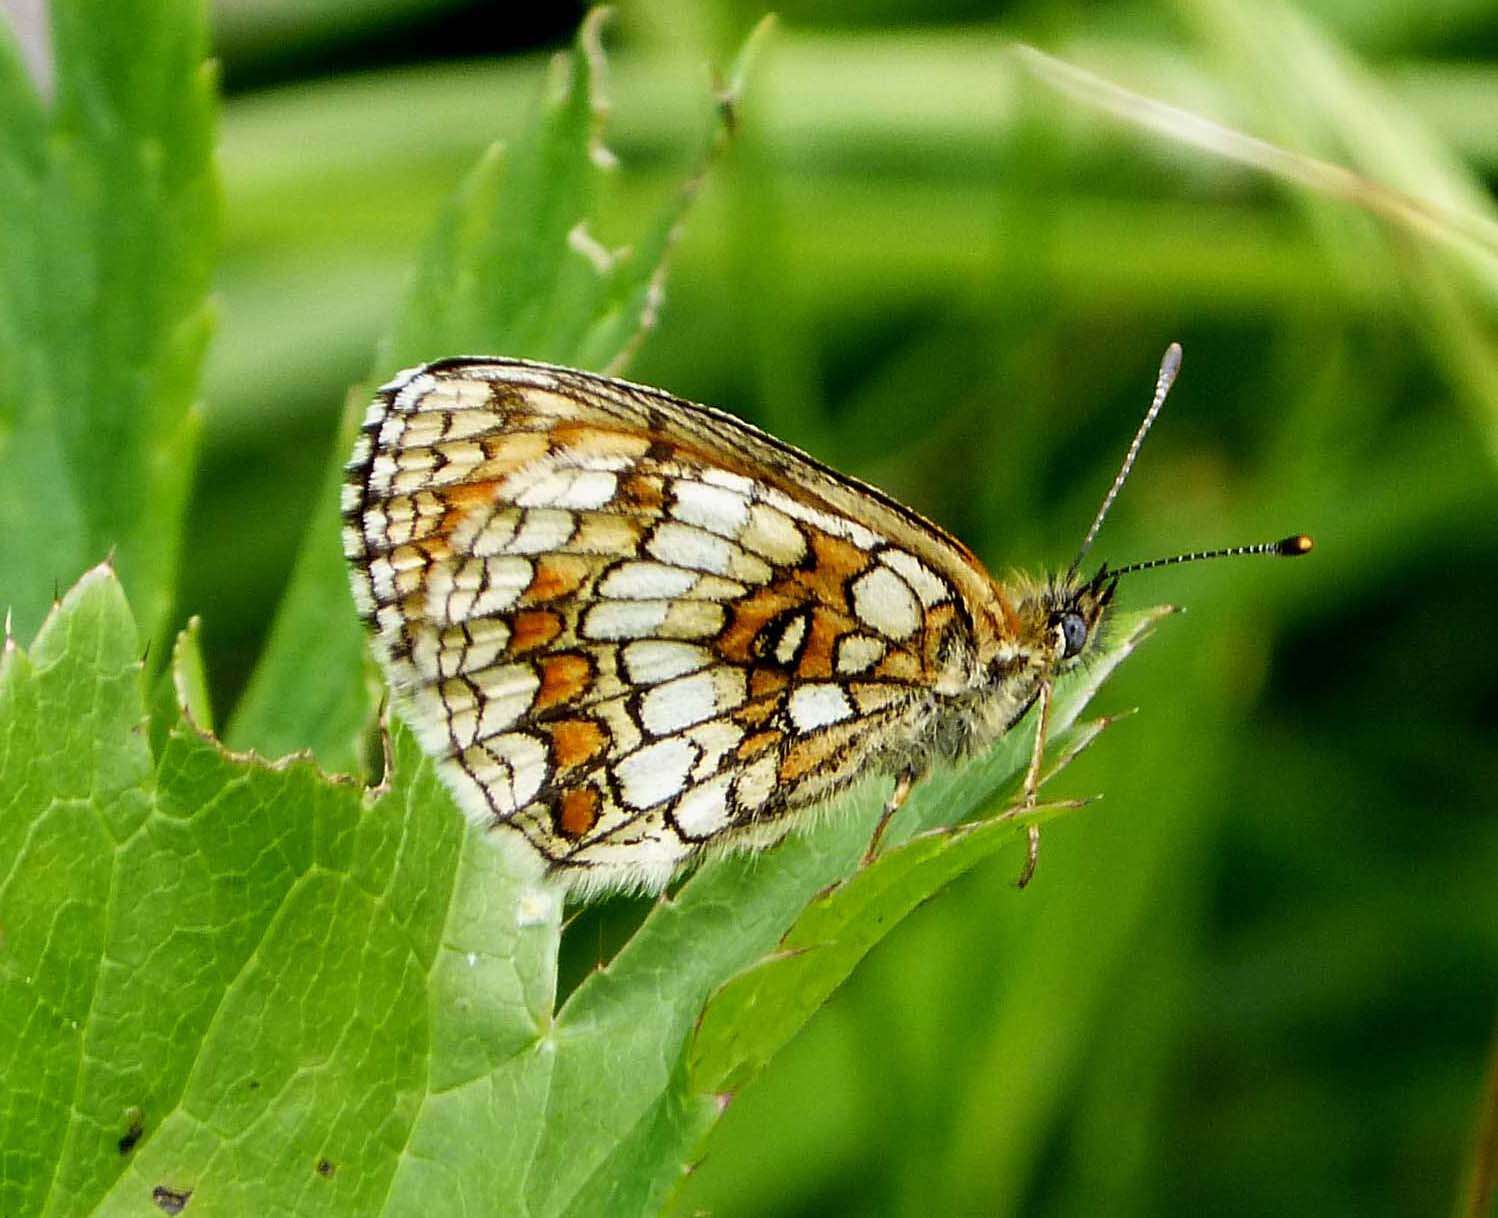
{"points": [[1032, 784], [892, 805]]}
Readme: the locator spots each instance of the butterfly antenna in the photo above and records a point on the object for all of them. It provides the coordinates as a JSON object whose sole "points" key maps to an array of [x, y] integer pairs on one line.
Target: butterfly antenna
{"points": [[1286, 547], [1169, 366]]}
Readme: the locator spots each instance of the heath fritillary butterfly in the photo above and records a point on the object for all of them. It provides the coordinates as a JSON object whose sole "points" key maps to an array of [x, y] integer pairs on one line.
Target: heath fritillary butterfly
{"points": [[633, 629]]}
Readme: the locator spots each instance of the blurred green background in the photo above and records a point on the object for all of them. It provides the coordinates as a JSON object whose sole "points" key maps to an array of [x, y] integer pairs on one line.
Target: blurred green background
{"points": [[1261, 976]]}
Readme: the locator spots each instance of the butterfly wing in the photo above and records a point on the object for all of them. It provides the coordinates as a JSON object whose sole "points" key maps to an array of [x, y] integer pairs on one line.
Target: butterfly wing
{"points": [[632, 628]]}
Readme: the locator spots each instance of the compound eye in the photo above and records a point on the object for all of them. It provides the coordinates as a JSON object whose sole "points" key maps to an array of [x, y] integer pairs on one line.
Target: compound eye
{"points": [[1073, 634]]}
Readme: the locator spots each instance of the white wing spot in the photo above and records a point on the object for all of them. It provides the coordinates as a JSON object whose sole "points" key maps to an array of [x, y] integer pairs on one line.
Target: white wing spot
{"points": [[485, 536], [382, 577], [678, 704], [837, 526], [774, 535], [883, 600], [653, 660], [633, 581], [858, 652], [542, 531], [693, 620], [508, 690], [682, 545], [814, 706], [754, 783], [625, 619], [655, 773], [473, 650], [712, 508], [716, 588], [732, 482], [411, 386], [717, 736], [703, 811], [790, 639], [920, 577], [456, 596]]}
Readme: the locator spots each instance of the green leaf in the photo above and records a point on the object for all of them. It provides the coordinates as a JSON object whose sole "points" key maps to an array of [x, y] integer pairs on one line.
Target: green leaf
{"points": [[74, 781], [512, 267], [108, 221], [278, 992], [182, 688], [752, 1017], [242, 981]]}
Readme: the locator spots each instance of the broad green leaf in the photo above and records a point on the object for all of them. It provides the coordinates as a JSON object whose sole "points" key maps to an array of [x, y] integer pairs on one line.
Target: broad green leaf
{"points": [[240, 981], [511, 268], [74, 781], [108, 221]]}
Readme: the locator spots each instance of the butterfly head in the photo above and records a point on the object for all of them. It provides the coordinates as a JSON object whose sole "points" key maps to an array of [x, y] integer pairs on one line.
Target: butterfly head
{"points": [[1075, 616], [1060, 619]]}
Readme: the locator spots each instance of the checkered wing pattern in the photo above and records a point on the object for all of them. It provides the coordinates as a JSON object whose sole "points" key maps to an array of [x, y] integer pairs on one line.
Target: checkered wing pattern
{"points": [[632, 628]]}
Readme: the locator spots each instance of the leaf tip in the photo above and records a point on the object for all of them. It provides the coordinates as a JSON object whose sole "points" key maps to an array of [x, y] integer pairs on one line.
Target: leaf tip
{"points": [[188, 685], [100, 573], [99, 586], [731, 92]]}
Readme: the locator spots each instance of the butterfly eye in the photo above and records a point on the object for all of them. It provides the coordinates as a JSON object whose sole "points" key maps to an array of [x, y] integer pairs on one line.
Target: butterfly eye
{"points": [[1073, 633]]}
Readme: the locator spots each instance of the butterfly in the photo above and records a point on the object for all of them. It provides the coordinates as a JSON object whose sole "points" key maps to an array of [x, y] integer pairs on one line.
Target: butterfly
{"points": [[636, 630]]}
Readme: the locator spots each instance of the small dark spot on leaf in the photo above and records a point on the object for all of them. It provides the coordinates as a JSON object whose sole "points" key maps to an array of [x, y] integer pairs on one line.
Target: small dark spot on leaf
{"points": [[326, 1167], [171, 1200], [254, 1084], [135, 1126]]}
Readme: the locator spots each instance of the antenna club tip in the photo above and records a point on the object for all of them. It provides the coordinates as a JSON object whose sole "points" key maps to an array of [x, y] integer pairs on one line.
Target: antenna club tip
{"points": [[1293, 547], [1170, 363]]}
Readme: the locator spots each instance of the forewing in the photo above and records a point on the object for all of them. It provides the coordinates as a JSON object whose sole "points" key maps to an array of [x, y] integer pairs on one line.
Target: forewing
{"points": [[630, 627]]}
